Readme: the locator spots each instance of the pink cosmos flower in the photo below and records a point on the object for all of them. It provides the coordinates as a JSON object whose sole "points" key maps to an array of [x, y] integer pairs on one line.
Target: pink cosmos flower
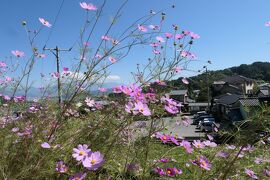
{"points": [[160, 39], [142, 28], [177, 69], [93, 161], [198, 144], [45, 23], [267, 24], [266, 172], [46, 145], [165, 138], [65, 69], [161, 83], [154, 27], [81, 152], [203, 162], [102, 89], [88, 7], [250, 173], [179, 36], [159, 171], [187, 146], [90, 102], [105, 38], [174, 140], [170, 172], [154, 45], [185, 81], [194, 35], [112, 59], [156, 51], [98, 56], [168, 35], [42, 56], [117, 89], [142, 108], [55, 75], [86, 43], [8, 79], [209, 143], [18, 53], [186, 32], [222, 154], [129, 107], [61, 167], [78, 176], [115, 42], [3, 65], [211, 138]]}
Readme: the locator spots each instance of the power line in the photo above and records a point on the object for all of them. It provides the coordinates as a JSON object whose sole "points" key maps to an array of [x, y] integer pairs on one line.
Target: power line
{"points": [[54, 22]]}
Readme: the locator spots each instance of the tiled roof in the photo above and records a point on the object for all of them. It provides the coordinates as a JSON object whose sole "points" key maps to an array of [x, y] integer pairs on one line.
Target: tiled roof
{"points": [[250, 102], [178, 92], [237, 79], [229, 99]]}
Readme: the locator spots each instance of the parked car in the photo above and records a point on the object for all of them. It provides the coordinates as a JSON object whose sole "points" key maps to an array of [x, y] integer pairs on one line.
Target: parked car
{"points": [[210, 119], [200, 118], [207, 126], [200, 113]]}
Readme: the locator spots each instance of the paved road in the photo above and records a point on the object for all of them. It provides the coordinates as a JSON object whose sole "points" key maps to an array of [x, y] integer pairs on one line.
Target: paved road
{"points": [[173, 125]]}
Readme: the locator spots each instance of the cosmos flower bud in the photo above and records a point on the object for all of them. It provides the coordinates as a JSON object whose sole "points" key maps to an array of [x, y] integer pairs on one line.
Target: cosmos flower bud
{"points": [[24, 23]]}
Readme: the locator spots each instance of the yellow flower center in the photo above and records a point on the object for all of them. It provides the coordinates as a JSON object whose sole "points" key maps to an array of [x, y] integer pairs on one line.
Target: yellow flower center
{"points": [[81, 153], [93, 161], [169, 172]]}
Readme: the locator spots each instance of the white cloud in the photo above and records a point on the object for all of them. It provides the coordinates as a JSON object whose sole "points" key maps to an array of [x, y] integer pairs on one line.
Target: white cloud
{"points": [[111, 78]]}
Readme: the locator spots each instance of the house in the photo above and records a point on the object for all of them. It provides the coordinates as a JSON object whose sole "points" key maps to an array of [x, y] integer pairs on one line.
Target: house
{"points": [[248, 106], [236, 84], [194, 107], [179, 95]]}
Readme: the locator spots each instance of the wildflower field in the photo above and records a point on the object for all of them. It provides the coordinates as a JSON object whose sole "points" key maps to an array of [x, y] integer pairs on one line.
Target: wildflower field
{"points": [[69, 132]]}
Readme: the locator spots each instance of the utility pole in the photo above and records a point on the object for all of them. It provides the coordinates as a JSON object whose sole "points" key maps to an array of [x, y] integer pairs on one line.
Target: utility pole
{"points": [[208, 90], [55, 52]]}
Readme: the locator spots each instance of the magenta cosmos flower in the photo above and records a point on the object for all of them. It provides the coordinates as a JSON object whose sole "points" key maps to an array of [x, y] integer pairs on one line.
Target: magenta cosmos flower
{"points": [[93, 161], [159, 171], [18, 53], [88, 7], [81, 152], [250, 173], [77, 176], [45, 23]]}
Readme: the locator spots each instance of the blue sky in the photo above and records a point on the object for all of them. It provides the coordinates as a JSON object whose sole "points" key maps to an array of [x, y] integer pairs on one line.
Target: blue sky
{"points": [[232, 32]]}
